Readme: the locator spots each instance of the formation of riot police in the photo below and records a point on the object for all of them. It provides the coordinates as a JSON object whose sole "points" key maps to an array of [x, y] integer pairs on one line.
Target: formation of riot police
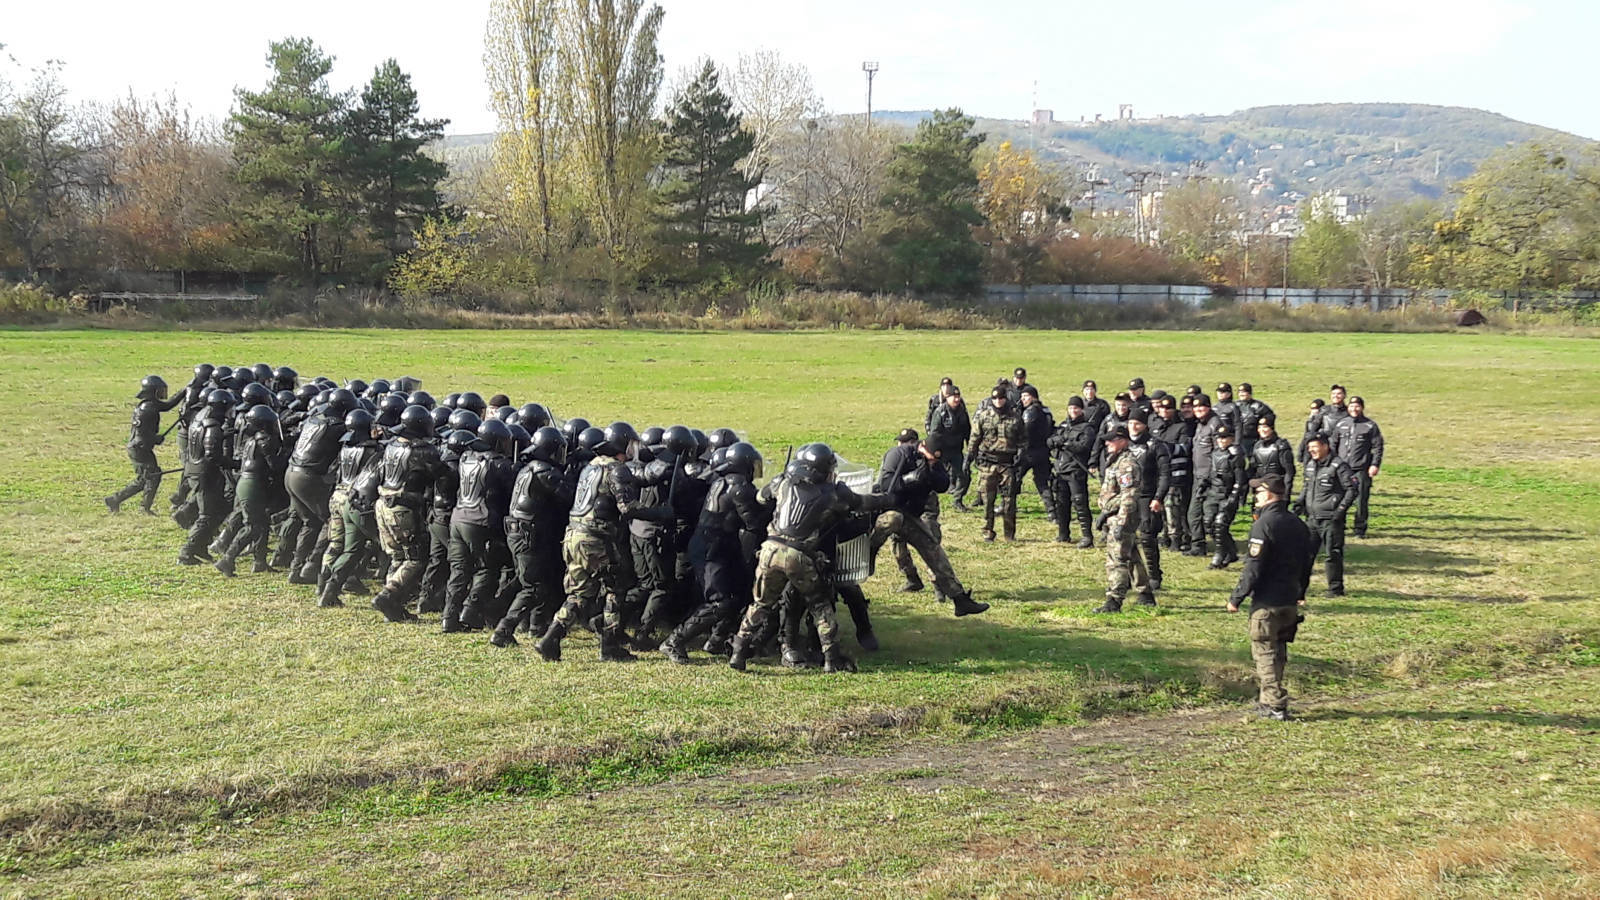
{"points": [[505, 519]]}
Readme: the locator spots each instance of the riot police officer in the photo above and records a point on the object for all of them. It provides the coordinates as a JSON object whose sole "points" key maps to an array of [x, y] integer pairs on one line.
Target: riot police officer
{"points": [[406, 471], [260, 446], [540, 499], [478, 551], [143, 436]]}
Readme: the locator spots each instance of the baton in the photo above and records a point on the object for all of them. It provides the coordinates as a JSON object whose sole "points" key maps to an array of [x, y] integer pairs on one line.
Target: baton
{"points": [[172, 471], [170, 427]]}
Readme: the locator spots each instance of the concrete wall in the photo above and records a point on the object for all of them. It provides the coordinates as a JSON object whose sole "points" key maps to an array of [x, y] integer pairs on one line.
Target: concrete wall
{"points": [[1197, 295]]}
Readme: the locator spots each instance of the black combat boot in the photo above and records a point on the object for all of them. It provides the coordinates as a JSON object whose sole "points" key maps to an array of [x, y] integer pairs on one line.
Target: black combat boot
{"points": [[391, 607], [113, 504], [674, 650], [913, 584], [718, 646], [1112, 605], [740, 650], [611, 646], [1085, 543], [503, 636], [835, 661], [328, 595], [966, 606], [224, 565], [795, 659], [549, 646], [1145, 600]]}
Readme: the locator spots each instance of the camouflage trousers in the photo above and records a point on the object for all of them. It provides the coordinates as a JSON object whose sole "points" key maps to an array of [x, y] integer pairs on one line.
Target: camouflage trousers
{"points": [[779, 567], [1124, 563], [338, 504], [596, 566], [921, 537], [1272, 629], [403, 537], [998, 483]]}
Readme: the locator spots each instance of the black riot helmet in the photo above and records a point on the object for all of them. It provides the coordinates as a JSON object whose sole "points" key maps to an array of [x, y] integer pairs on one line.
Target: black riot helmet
{"points": [[505, 414], [495, 436], [819, 458], [306, 393], [152, 387], [550, 445], [574, 428], [722, 437], [533, 416], [591, 439], [394, 402], [520, 439], [450, 400], [202, 373], [744, 459], [473, 401], [341, 401], [325, 382], [465, 420], [256, 394], [285, 399], [620, 438], [654, 436], [416, 422], [377, 388], [242, 376], [357, 426], [285, 378], [221, 398], [702, 443], [221, 374], [441, 418], [680, 440], [460, 441], [422, 399], [719, 458], [263, 373], [321, 399], [367, 404], [356, 386], [260, 419], [388, 415]]}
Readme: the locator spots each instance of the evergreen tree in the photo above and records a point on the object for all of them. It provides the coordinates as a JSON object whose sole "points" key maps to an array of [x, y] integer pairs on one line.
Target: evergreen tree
{"points": [[288, 144], [930, 208], [707, 227], [397, 184]]}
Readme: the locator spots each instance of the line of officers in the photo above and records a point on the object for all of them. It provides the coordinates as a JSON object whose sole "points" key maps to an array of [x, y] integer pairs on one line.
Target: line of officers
{"points": [[1173, 471], [491, 517]]}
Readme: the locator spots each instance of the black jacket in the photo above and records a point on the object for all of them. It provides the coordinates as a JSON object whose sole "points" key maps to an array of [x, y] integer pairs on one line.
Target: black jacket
{"points": [[1178, 435], [1072, 447], [948, 429], [1274, 457], [1358, 442], [1277, 565], [1155, 466], [908, 478], [1096, 411], [1037, 424], [1225, 478], [1330, 488]]}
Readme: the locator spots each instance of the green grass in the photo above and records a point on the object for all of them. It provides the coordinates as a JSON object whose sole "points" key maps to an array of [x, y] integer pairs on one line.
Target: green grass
{"points": [[148, 708]]}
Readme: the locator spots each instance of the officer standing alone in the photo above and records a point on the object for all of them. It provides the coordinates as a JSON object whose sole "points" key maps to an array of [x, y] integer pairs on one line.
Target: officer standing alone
{"points": [[1276, 571]]}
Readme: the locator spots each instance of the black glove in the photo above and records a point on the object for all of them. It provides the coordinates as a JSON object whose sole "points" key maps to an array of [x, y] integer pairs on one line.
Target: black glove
{"points": [[1298, 508], [1104, 517]]}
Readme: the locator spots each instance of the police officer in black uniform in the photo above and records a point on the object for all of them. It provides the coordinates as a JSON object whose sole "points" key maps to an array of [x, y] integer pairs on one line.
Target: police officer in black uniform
{"points": [[1037, 426], [260, 448], [210, 459], [143, 436], [1225, 486], [1251, 412], [1329, 489], [310, 481], [1155, 482], [1178, 434], [478, 551], [1271, 455], [540, 499], [1071, 447], [1277, 569]]}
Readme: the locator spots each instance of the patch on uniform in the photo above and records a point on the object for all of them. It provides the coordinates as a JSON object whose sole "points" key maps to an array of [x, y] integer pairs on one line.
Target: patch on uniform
{"points": [[1125, 480], [1255, 546]]}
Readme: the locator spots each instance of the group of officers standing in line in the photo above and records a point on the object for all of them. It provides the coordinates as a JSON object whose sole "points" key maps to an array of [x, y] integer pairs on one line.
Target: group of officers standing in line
{"points": [[492, 517], [1173, 470]]}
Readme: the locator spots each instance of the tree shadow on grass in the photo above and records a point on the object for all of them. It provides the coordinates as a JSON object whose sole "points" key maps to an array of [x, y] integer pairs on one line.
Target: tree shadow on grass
{"points": [[1414, 560], [1511, 535], [1586, 724]]}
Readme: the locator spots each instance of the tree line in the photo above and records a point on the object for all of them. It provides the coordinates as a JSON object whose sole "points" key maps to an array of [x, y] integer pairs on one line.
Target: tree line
{"points": [[733, 178]]}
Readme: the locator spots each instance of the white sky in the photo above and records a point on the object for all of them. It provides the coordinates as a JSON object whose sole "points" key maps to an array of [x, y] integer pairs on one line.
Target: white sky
{"points": [[1527, 59]]}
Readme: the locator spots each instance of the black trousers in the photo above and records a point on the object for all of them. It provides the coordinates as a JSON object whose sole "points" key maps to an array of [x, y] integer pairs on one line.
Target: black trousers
{"points": [[538, 578], [1329, 535], [1037, 462], [1218, 513], [1151, 526], [1072, 493], [252, 495], [478, 554], [308, 499], [1360, 524], [436, 577], [1175, 516], [146, 477]]}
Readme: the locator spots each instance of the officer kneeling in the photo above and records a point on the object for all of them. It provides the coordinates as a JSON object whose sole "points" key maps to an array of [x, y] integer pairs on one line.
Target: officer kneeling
{"points": [[1277, 569]]}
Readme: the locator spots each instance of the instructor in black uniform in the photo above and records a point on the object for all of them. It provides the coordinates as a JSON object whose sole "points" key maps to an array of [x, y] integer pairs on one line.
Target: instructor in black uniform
{"points": [[1277, 569]]}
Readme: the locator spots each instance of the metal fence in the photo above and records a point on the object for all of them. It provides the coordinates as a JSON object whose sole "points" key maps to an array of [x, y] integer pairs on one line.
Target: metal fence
{"points": [[1349, 298]]}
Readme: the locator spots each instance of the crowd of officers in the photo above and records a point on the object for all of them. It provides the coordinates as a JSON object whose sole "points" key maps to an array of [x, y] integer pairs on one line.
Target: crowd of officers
{"points": [[1173, 471], [500, 518]]}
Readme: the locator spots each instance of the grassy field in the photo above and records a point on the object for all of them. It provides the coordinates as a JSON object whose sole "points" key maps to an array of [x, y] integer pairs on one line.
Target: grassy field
{"points": [[163, 730]]}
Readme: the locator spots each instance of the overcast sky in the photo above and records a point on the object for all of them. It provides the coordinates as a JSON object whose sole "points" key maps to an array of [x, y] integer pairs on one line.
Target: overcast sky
{"points": [[1528, 59]]}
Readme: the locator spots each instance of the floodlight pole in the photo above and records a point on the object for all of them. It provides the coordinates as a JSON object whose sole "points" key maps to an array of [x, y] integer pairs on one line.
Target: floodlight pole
{"points": [[871, 68]]}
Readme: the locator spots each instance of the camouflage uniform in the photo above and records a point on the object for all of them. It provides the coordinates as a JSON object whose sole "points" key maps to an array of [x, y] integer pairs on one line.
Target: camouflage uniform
{"points": [[405, 472], [1121, 510], [997, 441]]}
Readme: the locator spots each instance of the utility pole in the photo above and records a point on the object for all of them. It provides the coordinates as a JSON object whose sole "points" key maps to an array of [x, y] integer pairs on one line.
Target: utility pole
{"points": [[871, 68]]}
